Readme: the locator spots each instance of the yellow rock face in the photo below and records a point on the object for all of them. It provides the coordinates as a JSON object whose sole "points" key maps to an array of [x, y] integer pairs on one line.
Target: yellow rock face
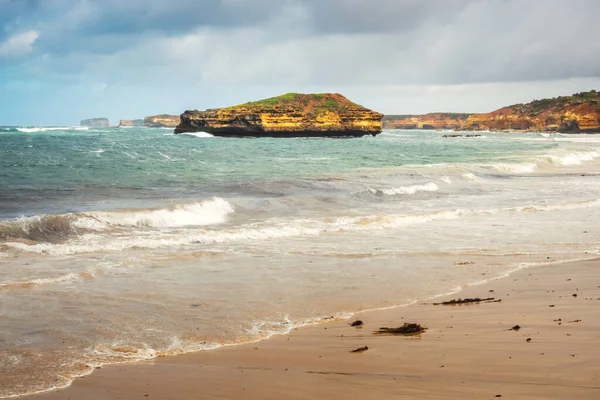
{"points": [[290, 115], [426, 121], [162, 121], [579, 113]]}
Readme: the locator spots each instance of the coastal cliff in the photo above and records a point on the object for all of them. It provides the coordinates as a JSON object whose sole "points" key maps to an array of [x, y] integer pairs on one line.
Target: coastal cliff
{"points": [[289, 115], [162, 121], [129, 122], [95, 123], [426, 121], [579, 113]]}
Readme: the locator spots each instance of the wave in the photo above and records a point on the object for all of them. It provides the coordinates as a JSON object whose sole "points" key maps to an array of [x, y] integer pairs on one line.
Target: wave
{"points": [[428, 187], [39, 228], [572, 158], [40, 281], [56, 228], [274, 229], [203, 135], [210, 212], [516, 168], [53, 128]]}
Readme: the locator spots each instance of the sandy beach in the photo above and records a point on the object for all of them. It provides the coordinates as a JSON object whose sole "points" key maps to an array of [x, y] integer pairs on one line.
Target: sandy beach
{"points": [[468, 351]]}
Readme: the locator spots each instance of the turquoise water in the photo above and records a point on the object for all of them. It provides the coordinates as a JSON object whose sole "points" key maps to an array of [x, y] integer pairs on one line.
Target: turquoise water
{"points": [[122, 245], [59, 171]]}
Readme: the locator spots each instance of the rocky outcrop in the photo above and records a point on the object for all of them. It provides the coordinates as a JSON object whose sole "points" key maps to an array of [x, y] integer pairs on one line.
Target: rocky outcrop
{"points": [[162, 121], [95, 123], [289, 115], [579, 113], [125, 123], [426, 121]]}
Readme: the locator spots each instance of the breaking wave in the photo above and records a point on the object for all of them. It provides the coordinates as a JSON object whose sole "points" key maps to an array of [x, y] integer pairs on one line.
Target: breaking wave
{"points": [[197, 134], [274, 229], [428, 187], [54, 128], [210, 212], [572, 158], [56, 228]]}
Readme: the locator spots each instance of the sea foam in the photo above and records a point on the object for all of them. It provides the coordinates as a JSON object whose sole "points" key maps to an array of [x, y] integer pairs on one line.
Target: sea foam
{"points": [[428, 187]]}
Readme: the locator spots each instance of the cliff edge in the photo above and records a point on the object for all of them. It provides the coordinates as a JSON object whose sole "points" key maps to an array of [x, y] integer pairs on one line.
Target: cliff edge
{"points": [[95, 123], [579, 113], [425, 121], [289, 115], [161, 121]]}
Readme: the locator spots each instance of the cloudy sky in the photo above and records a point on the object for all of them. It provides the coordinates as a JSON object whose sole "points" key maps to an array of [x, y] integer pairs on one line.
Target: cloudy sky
{"points": [[65, 60]]}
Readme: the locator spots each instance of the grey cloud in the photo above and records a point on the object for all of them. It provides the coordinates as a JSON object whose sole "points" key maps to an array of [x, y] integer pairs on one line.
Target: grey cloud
{"points": [[299, 43]]}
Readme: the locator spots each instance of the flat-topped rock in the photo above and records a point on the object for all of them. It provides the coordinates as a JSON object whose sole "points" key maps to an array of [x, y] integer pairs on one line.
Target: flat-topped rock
{"points": [[289, 115], [95, 123], [161, 121]]}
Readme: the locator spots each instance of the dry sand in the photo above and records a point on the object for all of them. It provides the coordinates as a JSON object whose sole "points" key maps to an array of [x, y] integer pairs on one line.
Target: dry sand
{"points": [[468, 352]]}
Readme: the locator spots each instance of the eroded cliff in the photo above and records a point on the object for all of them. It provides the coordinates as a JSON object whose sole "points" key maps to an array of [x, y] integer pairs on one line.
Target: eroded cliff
{"points": [[425, 121], [162, 121], [289, 115], [95, 123], [579, 113]]}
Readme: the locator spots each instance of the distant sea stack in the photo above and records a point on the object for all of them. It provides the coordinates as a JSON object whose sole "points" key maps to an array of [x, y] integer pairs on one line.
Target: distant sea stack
{"points": [[162, 121], [95, 123], [289, 115], [579, 113], [426, 121], [131, 122]]}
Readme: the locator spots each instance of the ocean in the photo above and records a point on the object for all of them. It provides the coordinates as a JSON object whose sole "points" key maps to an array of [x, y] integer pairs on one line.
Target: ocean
{"points": [[121, 245]]}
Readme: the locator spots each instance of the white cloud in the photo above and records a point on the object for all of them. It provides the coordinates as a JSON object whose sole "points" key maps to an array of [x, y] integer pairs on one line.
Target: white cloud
{"points": [[18, 45]]}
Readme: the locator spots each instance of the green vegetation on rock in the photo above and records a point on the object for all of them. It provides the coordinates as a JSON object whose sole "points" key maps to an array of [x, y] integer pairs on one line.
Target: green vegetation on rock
{"points": [[537, 106]]}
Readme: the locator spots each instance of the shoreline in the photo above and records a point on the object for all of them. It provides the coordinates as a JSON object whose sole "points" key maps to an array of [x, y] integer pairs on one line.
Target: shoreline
{"points": [[228, 353]]}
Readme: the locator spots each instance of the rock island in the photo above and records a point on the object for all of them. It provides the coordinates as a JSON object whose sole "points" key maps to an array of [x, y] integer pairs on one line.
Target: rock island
{"points": [[289, 115]]}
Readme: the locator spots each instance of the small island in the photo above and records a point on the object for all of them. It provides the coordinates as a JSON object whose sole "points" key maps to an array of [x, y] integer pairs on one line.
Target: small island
{"points": [[95, 123], [289, 115]]}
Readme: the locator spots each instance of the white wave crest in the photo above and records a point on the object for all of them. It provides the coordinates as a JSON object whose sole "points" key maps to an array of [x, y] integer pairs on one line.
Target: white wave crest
{"points": [[198, 134], [274, 229], [428, 187], [472, 177], [209, 212], [572, 158], [518, 168], [39, 282], [53, 128]]}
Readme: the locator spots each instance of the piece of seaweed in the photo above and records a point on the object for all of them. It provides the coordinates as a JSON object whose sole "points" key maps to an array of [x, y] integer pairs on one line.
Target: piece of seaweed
{"points": [[467, 301], [406, 329]]}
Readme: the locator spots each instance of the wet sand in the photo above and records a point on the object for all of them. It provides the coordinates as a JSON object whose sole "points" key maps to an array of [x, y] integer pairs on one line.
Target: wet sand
{"points": [[468, 352]]}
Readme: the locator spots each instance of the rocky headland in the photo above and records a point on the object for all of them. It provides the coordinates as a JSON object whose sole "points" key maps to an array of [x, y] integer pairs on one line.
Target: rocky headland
{"points": [[289, 115], [95, 123], [130, 122], [426, 121], [162, 121], [579, 113]]}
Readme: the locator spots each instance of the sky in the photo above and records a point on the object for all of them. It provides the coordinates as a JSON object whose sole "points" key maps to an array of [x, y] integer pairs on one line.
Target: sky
{"points": [[65, 60]]}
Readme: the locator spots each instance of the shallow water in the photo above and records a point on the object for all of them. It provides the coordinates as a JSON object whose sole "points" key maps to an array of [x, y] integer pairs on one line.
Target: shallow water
{"points": [[125, 244]]}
